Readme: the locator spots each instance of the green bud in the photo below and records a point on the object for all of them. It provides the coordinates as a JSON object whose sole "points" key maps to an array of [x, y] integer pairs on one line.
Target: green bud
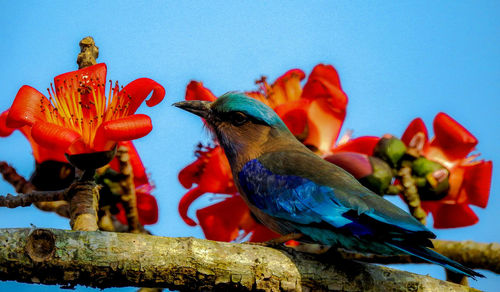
{"points": [[423, 166], [390, 149], [435, 176], [380, 178]]}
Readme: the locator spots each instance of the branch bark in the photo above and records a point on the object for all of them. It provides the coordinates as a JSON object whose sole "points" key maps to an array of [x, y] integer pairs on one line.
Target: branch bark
{"points": [[106, 259]]}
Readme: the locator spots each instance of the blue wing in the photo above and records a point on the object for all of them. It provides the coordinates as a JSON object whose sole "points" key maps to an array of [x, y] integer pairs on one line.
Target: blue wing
{"points": [[305, 190]]}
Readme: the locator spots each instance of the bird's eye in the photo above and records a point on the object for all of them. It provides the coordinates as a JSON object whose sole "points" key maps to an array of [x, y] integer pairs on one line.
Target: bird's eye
{"points": [[238, 118]]}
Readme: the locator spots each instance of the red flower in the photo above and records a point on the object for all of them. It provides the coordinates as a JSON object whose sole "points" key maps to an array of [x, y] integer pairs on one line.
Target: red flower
{"points": [[40, 153], [363, 145], [78, 118], [314, 115], [469, 180], [211, 174], [146, 203], [231, 220]]}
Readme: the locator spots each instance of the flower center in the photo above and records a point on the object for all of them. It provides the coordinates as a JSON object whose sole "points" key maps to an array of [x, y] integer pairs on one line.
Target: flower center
{"points": [[81, 105]]}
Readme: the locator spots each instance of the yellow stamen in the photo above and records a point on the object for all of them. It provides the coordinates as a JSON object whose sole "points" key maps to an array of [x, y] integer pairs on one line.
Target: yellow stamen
{"points": [[83, 108]]}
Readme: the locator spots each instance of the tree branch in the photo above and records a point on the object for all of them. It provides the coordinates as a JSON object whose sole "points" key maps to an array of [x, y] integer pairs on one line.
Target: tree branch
{"points": [[475, 255], [11, 176], [106, 259], [25, 200], [21, 185]]}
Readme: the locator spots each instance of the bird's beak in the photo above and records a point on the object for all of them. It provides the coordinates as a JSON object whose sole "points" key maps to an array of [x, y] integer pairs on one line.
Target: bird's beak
{"points": [[198, 107]]}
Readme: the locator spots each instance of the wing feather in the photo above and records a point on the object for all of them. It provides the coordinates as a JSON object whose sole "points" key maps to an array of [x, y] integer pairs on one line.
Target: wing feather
{"points": [[305, 189]]}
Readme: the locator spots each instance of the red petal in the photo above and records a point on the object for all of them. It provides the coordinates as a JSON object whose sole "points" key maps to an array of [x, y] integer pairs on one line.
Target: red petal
{"points": [[287, 87], [455, 141], [327, 72], [428, 206], [147, 208], [294, 115], [224, 221], [93, 76], [477, 182], [261, 233], [363, 145], [450, 216], [324, 125], [320, 88], [127, 128], [328, 106], [416, 126], [53, 136], [259, 96], [324, 82], [186, 201], [291, 74], [356, 164], [83, 81], [190, 174], [217, 177], [26, 108], [196, 91], [221, 221], [40, 153], [4, 130], [137, 91]]}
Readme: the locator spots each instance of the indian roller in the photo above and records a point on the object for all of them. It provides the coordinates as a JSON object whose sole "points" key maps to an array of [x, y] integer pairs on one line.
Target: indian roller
{"points": [[291, 190]]}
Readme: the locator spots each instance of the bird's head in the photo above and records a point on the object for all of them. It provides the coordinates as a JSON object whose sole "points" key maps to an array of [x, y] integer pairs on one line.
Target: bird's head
{"points": [[245, 127]]}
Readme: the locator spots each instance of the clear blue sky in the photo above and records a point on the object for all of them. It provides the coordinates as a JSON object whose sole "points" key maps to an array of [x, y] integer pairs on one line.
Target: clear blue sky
{"points": [[397, 60]]}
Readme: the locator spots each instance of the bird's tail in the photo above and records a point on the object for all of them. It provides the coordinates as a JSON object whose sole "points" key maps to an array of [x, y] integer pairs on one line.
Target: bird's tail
{"points": [[436, 258]]}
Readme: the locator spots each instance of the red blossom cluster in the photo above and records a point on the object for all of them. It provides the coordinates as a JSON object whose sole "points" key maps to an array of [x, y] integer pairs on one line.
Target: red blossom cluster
{"points": [[78, 117], [469, 179]]}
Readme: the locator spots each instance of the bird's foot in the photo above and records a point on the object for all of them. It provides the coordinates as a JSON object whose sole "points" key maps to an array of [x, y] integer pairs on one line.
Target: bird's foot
{"points": [[312, 248], [278, 242]]}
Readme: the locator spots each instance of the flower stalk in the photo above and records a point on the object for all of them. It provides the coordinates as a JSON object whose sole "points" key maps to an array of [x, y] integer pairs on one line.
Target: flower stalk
{"points": [[84, 202], [410, 193], [84, 199]]}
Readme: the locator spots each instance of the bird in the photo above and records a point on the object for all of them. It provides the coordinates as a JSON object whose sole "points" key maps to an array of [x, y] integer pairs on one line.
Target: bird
{"points": [[291, 190]]}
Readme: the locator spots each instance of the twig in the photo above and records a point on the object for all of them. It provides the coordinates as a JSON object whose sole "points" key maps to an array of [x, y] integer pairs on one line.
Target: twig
{"points": [[11, 176], [23, 186], [24, 200]]}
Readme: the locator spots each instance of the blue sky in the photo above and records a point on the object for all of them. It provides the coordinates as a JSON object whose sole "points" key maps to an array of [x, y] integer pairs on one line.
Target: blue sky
{"points": [[397, 60]]}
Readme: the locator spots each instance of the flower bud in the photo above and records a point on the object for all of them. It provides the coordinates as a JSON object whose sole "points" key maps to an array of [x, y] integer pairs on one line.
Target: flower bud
{"points": [[371, 171], [434, 179], [390, 149]]}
